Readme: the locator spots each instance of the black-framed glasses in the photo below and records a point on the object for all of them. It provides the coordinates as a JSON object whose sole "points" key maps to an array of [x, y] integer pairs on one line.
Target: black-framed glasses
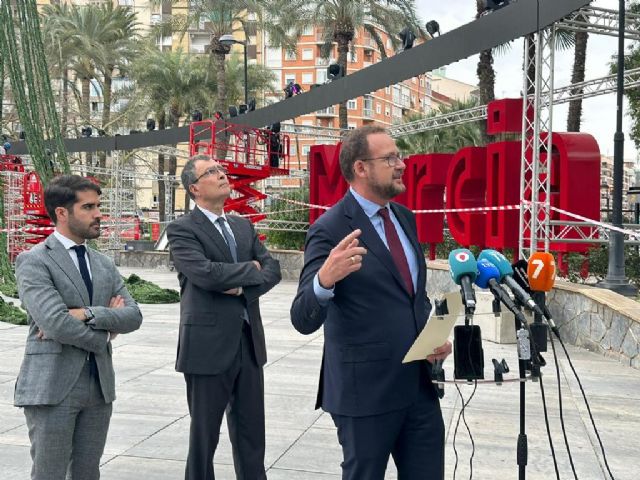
{"points": [[212, 171], [393, 159]]}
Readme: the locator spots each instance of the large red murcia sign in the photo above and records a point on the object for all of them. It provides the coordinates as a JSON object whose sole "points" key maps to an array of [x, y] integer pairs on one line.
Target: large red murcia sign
{"points": [[480, 177]]}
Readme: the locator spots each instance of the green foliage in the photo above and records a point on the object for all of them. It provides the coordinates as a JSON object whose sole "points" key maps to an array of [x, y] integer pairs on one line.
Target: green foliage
{"points": [[443, 140], [11, 314], [147, 292], [598, 258], [9, 288], [289, 240]]}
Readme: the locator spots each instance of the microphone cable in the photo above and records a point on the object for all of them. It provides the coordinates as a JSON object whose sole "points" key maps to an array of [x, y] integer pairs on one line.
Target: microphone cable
{"points": [[546, 424], [560, 409], [455, 431], [584, 397]]}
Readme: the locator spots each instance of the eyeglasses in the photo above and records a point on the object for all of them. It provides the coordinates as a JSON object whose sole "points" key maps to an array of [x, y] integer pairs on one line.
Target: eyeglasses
{"points": [[393, 159], [212, 171]]}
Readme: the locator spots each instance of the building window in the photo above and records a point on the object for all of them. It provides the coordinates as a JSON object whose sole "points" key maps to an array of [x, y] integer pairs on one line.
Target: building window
{"points": [[307, 30], [321, 75], [378, 108], [306, 149], [290, 55], [307, 78], [352, 104], [387, 112], [353, 56], [307, 54], [351, 126], [288, 78]]}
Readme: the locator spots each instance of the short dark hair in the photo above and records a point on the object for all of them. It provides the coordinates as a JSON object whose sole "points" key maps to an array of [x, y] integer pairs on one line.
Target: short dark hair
{"points": [[62, 192], [356, 146], [188, 175]]}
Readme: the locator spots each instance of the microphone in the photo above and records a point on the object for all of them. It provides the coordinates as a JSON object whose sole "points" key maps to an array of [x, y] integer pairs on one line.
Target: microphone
{"points": [[488, 276], [506, 277], [462, 266], [541, 272]]}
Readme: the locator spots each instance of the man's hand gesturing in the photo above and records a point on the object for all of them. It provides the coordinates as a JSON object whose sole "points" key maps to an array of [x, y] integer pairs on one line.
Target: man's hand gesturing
{"points": [[344, 258]]}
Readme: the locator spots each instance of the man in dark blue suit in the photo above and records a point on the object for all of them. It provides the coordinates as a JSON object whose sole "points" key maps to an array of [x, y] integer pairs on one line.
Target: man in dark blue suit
{"points": [[364, 278]]}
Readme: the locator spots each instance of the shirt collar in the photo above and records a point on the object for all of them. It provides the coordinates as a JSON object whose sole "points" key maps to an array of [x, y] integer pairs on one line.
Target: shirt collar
{"points": [[210, 215], [369, 207], [67, 243]]}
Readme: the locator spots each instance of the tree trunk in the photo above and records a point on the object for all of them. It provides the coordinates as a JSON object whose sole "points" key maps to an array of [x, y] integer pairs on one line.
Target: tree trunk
{"points": [[343, 50], [64, 121], [217, 59], [577, 76], [85, 112], [174, 119], [161, 185], [486, 78], [106, 100]]}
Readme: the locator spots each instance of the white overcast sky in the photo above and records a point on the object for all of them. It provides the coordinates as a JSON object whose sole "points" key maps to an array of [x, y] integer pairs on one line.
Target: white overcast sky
{"points": [[598, 114]]}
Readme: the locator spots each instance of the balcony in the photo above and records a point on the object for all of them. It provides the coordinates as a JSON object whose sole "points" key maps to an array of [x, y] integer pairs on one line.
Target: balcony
{"points": [[367, 112], [323, 62], [369, 43], [326, 112]]}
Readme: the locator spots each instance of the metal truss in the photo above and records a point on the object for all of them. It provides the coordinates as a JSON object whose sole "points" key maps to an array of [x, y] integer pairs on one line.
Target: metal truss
{"points": [[439, 121], [535, 173], [601, 21], [582, 232], [282, 225]]}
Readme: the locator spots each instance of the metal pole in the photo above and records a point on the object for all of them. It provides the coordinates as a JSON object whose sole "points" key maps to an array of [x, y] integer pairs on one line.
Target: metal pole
{"points": [[616, 279], [246, 76]]}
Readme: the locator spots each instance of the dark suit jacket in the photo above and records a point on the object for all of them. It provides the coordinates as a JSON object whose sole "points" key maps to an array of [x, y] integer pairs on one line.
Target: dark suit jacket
{"points": [[210, 320], [371, 321]]}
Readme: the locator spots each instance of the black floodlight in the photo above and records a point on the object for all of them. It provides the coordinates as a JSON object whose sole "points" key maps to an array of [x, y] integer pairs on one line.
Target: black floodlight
{"points": [[335, 71], [196, 116], [433, 27], [233, 111], [407, 37], [151, 124], [242, 108]]}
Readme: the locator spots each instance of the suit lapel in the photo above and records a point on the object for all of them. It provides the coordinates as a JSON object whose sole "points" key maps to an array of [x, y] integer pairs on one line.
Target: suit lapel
{"points": [[61, 257], [204, 224], [370, 238]]}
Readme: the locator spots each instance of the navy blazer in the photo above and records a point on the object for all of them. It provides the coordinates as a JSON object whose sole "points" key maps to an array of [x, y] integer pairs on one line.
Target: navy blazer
{"points": [[371, 321]]}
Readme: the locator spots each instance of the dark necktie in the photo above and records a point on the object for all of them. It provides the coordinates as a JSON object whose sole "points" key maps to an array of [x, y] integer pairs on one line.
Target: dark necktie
{"points": [[231, 243], [395, 247], [228, 238], [84, 270]]}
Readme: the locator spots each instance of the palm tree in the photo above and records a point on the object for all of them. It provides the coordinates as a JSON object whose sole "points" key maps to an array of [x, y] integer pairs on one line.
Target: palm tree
{"points": [[577, 76], [444, 140], [339, 20], [218, 17], [171, 84]]}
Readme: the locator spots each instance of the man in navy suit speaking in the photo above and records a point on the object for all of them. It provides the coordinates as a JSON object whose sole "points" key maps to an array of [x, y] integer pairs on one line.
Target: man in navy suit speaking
{"points": [[364, 279]]}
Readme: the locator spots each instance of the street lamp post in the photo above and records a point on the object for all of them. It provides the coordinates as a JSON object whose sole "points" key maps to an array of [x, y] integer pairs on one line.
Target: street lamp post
{"points": [[228, 39], [616, 279]]}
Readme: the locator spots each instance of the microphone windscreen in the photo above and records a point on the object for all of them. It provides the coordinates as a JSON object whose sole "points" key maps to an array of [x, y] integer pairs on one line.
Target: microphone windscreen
{"points": [[462, 263], [520, 274], [499, 260], [486, 272], [541, 271]]}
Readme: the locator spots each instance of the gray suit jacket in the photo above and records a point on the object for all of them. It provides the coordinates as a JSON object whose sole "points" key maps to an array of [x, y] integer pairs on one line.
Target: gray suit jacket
{"points": [[49, 284], [210, 320]]}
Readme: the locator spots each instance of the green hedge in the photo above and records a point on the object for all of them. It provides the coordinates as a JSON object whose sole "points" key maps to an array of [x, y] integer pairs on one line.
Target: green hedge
{"points": [[284, 239], [146, 292]]}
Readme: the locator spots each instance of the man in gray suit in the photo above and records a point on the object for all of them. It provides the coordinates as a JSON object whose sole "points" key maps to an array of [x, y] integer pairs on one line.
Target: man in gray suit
{"points": [[77, 304], [223, 269]]}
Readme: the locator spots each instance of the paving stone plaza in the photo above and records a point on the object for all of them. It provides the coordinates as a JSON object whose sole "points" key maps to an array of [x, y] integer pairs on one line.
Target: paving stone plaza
{"points": [[149, 427]]}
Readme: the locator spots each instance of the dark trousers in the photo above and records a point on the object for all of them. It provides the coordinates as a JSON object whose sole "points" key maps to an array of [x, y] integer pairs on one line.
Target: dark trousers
{"points": [[240, 392], [414, 436]]}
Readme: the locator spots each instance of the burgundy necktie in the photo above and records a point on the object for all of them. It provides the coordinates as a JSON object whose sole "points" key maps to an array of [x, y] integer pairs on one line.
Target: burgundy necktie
{"points": [[395, 247]]}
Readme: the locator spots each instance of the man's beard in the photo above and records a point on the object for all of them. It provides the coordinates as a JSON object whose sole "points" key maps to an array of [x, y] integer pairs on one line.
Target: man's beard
{"points": [[83, 231], [389, 190]]}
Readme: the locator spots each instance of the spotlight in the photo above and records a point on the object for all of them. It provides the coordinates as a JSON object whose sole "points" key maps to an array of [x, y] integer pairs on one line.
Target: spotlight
{"points": [[491, 5], [407, 37], [233, 111], [101, 133], [196, 116], [22, 135], [292, 89], [335, 71], [242, 108], [86, 131], [133, 132], [433, 27], [252, 105], [218, 115], [151, 124], [275, 127]]}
